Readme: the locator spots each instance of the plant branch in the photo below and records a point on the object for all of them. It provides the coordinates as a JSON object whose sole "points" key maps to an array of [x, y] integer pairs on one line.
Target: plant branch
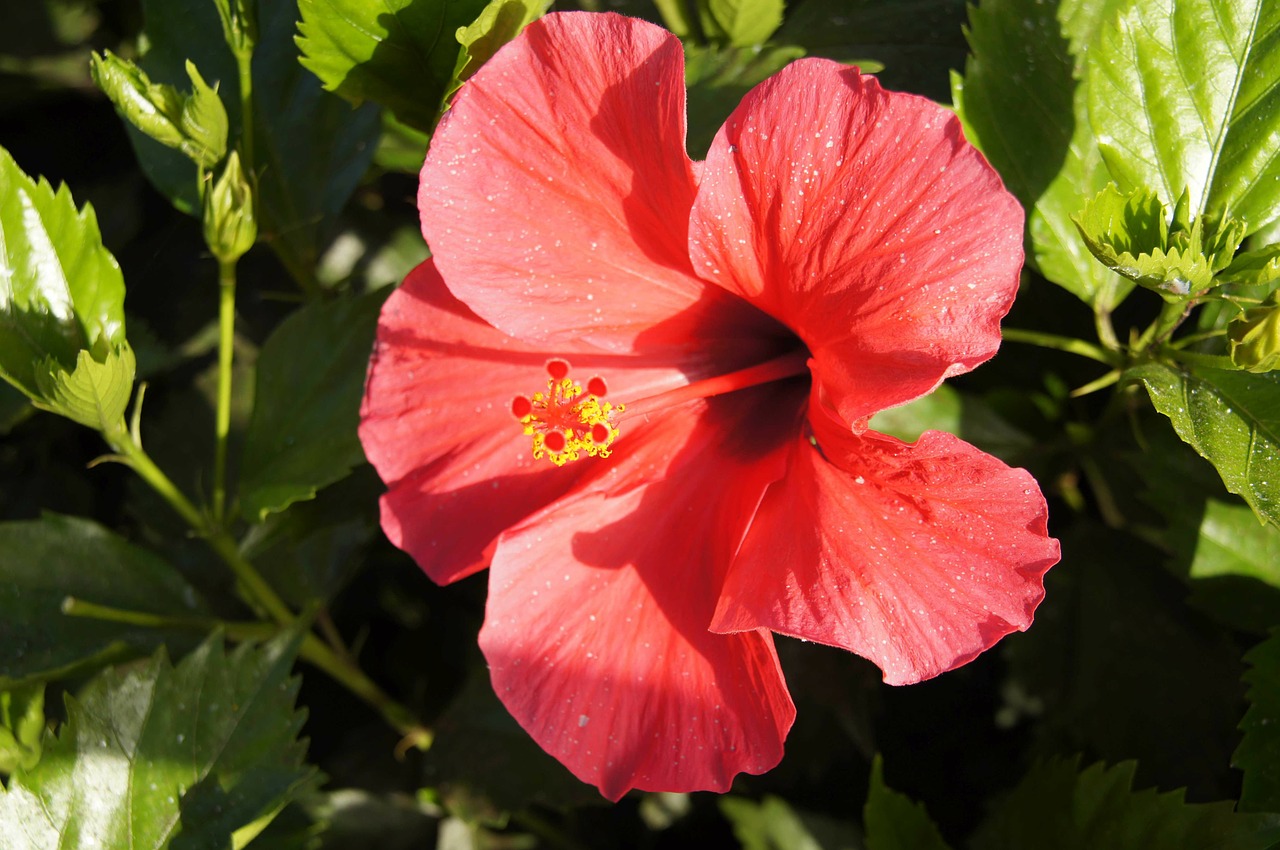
{"points": [[1068, 344], [226, 354]]}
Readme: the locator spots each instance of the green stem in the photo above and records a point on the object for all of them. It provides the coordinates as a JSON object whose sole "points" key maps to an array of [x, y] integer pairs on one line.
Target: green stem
{"points": [[226, 353], [1171, 315], [344, 671], [244, 63], [312, 650], [73, 607], [1063, 343]]}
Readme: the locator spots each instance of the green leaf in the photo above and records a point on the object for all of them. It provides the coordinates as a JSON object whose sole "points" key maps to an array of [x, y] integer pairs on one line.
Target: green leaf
{"points": [[1232, 419], [718, 78], [740, 23], [1259, 752], [397, 53], [310, 378], [1131, 234], [499, 23], [304, 178], [894, 821], [947, 409], [1058, 807], [916, 42], [161, 754], [61, 291], [309, 148], [1113, 623], [1233, 543], [772, 824], [195, 124], [1254, 268], [21, 727], [310, 551], [1186, 94], [93, 394], [52, 558], [1021, 104]]}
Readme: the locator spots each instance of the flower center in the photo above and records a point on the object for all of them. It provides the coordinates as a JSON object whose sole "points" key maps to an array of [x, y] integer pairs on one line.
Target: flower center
{"points": [[567, 421]]}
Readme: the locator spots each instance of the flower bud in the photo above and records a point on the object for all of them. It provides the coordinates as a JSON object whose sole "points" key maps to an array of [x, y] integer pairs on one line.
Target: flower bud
{"points": [[230, 226], [1254, 337]]}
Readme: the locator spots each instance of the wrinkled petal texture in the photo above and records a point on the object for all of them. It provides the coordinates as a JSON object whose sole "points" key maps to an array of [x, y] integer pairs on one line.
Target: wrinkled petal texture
{"points": [[915, 556], [865, 222], [596, 628], [436, 423], [556, 193]]}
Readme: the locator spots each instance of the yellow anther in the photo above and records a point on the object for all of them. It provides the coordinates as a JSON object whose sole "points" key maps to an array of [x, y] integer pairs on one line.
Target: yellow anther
{"points": [[566, 422]]}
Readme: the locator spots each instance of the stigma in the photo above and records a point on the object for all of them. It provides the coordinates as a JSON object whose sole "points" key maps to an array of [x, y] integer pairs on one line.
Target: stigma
{"points": [[568, 421]]}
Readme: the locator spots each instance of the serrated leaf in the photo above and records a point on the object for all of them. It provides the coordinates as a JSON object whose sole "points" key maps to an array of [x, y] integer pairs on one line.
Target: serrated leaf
{"points": [[499, 23], [1129, 234], [1232, 419], [164, 756], [894, 821], [1259, 752], [740, 23], [309, 148], [397, 53], [1186, 93], [1058, 807], [21, 727], [49, 559], [1021, 104], [203, 121], [310, 378], [93, 394], [61, 291]]}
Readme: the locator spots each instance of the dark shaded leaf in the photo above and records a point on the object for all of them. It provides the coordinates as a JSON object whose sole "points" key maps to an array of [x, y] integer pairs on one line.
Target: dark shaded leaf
{"points": [[49, 559]]}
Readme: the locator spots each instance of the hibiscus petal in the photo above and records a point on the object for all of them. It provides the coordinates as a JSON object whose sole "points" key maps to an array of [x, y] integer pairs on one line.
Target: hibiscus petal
{"points": [[596, 628], [436, 422], [863, 220], [917, 557], [556, 192]]}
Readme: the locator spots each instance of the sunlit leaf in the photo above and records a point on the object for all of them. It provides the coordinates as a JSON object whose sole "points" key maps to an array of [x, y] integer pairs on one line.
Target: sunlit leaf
{"points": [[1185, 94], [1232, 419], [50, 559], [1056, 806], [163, 756], [61, 291], [741, 23], [1021, 103], [501, 21], [1259, 752], [22, 726], [397, 53]]}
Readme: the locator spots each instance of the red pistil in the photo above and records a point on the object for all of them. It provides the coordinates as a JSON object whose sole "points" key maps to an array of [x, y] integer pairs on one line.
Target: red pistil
{"points": [[786, 366]]}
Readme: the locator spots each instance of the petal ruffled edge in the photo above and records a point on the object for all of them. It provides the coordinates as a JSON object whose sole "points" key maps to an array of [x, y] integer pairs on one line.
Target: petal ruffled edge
{"points": [[863, 220], [917, 557], [596, 631]]}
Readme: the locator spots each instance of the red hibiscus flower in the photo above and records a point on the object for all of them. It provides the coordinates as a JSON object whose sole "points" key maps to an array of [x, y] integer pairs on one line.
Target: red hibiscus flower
{"points": [[637, 388]]}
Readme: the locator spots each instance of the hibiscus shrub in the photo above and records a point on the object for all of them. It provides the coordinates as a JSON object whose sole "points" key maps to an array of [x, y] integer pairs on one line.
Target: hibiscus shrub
{"points": [[562, 427]]}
